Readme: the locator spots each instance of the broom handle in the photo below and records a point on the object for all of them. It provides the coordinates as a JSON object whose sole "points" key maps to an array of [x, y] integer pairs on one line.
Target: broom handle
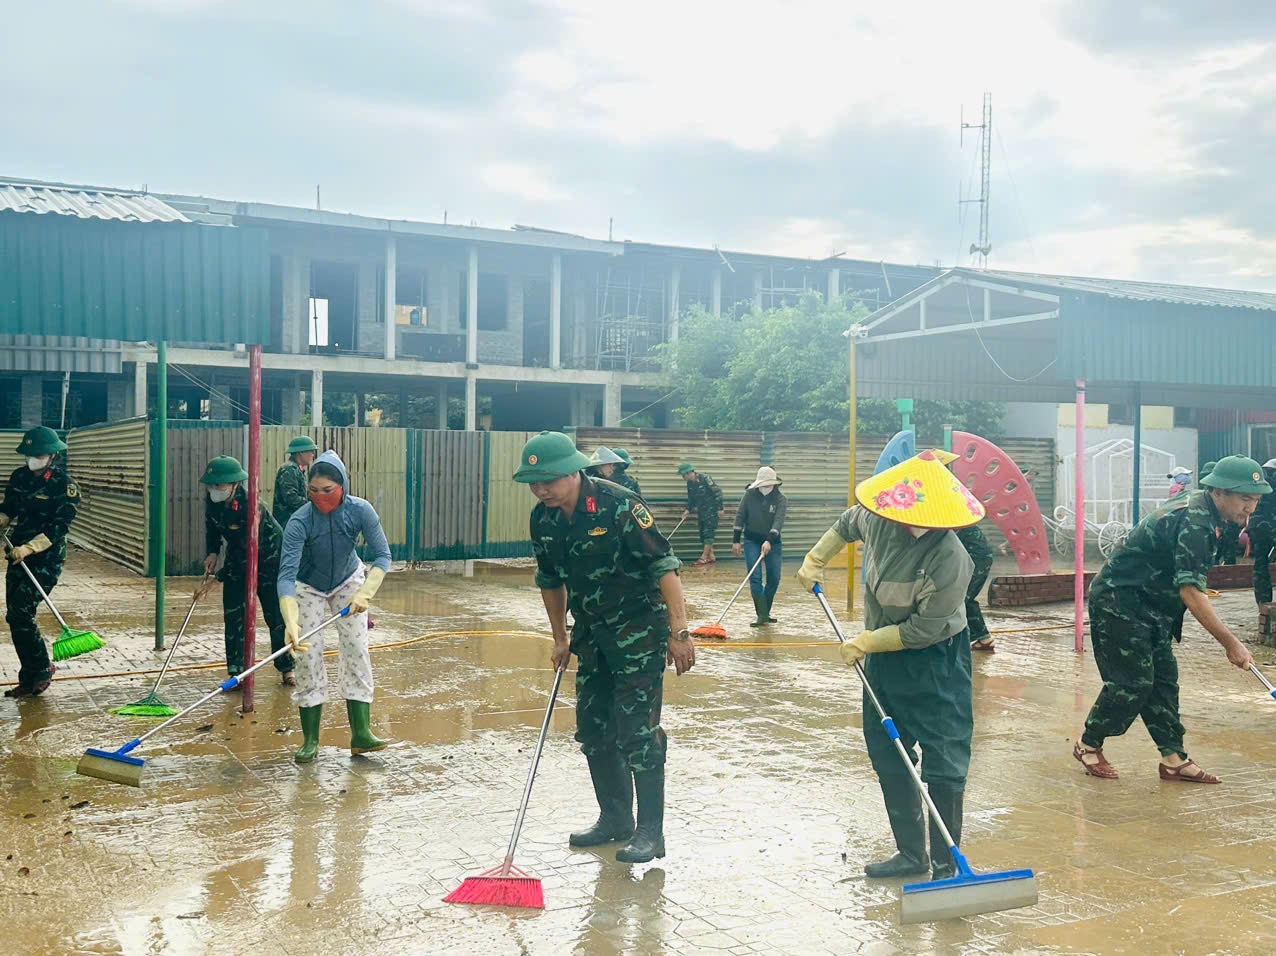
{"points": [[963, 868], [739, 589], [1263, 677], [670, 535], [172, 650], [531, 775], [9, 547], [230, 683]]}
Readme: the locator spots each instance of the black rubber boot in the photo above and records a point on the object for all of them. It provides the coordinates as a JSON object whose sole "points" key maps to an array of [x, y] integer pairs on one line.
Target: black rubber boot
{"points": [[904, 810], [770, 600], [649, 837], [949, 803], [614, 788], [759, 611]]}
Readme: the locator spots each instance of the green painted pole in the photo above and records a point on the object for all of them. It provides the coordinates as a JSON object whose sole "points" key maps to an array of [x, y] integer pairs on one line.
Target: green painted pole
{"points": [[948, 438], [160, 504]]}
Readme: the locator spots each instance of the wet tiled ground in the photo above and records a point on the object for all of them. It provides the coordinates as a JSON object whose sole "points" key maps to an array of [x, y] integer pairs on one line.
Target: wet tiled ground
{"points": [[772, 806]]}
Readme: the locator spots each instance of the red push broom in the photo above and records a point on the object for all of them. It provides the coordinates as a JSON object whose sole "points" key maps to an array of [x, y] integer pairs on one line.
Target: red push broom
{"points": [[507, 885], [716, 631]]}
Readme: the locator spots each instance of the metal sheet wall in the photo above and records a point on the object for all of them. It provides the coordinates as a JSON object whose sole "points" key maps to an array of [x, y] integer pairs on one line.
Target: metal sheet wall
{"points": [[509, 504], [111, 464], [191, 445], [448, 476], [47, 353]]}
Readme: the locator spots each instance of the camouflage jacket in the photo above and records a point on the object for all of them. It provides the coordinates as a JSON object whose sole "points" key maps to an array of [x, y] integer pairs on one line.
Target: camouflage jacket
{"points": [[703, 495], [225, 521], [609, 555], [40, 503], [290, 492], [918, 583], [1172, 548], [627, 481], [977, 546], [1265, 513]]}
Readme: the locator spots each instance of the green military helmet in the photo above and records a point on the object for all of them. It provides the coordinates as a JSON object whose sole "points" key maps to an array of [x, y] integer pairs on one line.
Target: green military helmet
{"points": [[1238, 473], [604, 456], [223, 470], [40, 441], [1206, 469], [302, 443], [686, 468], [623, 456], [548, 456]]}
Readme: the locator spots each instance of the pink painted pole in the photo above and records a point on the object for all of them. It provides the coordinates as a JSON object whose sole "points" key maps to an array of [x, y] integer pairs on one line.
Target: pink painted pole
{"points": [[1078, 587], [254, 537]]}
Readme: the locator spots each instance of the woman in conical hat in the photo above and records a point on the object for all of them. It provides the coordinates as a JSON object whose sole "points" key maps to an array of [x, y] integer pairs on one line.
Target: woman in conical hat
{"points": [[915, 646]]}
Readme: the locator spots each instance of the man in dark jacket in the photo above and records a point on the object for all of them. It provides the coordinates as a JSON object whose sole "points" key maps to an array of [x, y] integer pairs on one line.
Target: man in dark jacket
{"points": [[758, 522], [290, 480]]}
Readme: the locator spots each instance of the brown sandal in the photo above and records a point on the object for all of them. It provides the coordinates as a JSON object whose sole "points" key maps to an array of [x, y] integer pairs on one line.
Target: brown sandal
{"points": [[1176, 773], [984, 644], [1101, 768]]}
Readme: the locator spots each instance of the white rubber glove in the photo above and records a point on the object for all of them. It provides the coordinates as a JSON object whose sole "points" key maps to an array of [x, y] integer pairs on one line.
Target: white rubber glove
{"points": [[291, 614], [361, 600], [34, 546]]}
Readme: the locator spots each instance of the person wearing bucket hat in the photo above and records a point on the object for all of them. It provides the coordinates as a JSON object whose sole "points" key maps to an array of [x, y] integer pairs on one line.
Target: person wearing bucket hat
{"points": [[598, 553], [603, 463], [704, 500], [916, 647], [621, 475], [290, 479], [759, 519], [226, 519], [1262, 537], [1137, 604], [1229, 542], [40, 502]]}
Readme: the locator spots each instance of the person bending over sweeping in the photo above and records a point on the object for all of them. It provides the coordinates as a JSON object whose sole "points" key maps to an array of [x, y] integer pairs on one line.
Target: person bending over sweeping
{"points": [[40, 502], [704, 499], [1137, 605], [290, 479], [319, 574], [981, 555], [226, 519], [916, 649], [598, 552], [758, 521]]}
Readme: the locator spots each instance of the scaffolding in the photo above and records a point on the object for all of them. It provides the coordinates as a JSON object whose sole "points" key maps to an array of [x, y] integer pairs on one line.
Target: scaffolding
{"points": [[630, 320]]}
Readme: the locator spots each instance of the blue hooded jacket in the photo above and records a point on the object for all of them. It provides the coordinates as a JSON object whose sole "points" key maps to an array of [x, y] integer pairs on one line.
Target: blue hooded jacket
{"points": [[319, 549]]}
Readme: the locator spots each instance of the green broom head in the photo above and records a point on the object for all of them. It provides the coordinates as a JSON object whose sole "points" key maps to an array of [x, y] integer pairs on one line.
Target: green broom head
{"points": [[152, 705], [73, 643]]}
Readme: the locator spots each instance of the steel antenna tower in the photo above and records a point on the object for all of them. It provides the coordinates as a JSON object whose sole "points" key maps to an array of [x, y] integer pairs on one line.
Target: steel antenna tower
{"points": [[984, 245]]}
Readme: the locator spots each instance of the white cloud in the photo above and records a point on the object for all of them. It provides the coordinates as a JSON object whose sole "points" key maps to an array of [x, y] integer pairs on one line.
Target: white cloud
{"points": [[521, 182]]}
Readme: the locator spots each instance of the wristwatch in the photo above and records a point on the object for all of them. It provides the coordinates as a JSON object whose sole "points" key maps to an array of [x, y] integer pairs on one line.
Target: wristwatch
{"points": [[683, 635]]}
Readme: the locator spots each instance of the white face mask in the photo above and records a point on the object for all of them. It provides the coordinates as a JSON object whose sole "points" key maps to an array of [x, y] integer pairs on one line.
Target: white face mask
{"points": [[218, 495], [37, 464]]}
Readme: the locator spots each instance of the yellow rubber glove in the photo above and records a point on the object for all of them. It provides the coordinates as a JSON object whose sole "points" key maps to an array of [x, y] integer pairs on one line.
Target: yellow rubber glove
{"points": [[34, 546], [291, 614], [812, 571], [881, 641], [361, 600], [4, 522]]}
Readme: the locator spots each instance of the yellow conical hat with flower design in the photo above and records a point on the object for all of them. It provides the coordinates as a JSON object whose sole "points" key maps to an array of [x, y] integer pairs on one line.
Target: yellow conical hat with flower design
{"points": [[921, 492]]}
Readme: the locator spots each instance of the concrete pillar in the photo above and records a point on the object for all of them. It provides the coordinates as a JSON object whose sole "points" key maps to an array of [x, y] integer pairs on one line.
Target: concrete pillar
{"points": [[441, 403], [611, 405], [471, 323], [391, 287], [32, 409], [316, 397], [471, 403], [295, 336], [582, 407], [675, 275], [290, 406], [138, 408], [117, 399], [757, 292], [835, 285], [715, 292], [556, 312], [580, 326]]}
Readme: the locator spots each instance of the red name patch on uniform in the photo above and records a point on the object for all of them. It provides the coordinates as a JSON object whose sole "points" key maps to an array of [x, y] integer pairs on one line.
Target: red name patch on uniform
{"points": [[591, 505]]}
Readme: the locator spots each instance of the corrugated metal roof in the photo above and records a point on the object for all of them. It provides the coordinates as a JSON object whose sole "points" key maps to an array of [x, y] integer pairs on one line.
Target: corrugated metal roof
{"points": [[84, 203], [1130, 289]]}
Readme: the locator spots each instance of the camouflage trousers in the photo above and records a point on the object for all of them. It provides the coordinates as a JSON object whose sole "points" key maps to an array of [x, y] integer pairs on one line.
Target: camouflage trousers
{"points": [[619, 688], [1262, 540], [22, 601], [974, 613], [1134, 649], [233, 592], [708, 524]]}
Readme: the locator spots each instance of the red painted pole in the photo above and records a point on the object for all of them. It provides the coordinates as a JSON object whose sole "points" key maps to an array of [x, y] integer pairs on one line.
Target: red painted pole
{"points": [[1078, 589], [254, 471]]}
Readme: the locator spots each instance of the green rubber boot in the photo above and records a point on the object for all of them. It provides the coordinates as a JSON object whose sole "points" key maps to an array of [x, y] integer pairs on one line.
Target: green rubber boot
{"points": [[311, 717], [361, 739]]}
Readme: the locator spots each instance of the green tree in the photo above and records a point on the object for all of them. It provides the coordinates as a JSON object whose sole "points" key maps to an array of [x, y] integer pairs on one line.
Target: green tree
{"points": [[786, 370]]}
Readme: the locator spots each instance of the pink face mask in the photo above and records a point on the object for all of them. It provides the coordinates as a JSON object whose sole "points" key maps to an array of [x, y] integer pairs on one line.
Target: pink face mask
{"points": [[326, 502]]}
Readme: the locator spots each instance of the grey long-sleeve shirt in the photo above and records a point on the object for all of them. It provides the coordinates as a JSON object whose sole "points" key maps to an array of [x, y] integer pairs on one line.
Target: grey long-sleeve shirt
{"points": [[918, 583]]}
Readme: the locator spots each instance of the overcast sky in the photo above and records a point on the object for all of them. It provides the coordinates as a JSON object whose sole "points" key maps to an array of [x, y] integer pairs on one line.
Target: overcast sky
{"points": [[1131, 139]]}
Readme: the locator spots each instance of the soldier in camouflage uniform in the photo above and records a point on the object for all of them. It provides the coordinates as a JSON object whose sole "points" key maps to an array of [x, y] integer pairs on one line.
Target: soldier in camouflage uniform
{"points": [[1262, 538], [290, 480], [622, 476], [981, 555], [1137, 604], [226, 519], [40, 502], [598, 552], [704, 500], [1229, 543]]}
